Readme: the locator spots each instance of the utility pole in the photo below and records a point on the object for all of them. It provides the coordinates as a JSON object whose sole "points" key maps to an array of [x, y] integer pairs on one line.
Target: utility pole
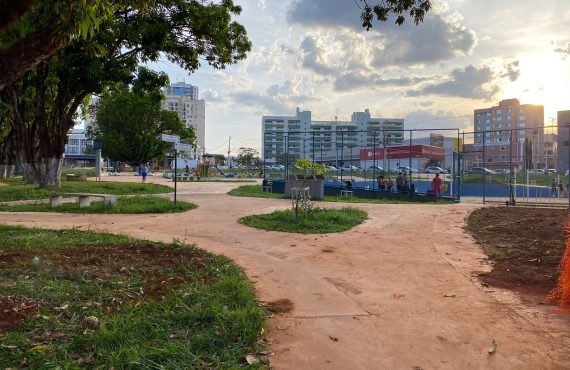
{"points": [[229, 150]]}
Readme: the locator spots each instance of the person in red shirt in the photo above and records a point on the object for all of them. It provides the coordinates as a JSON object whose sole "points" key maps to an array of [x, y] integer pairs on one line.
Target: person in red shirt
{"points": [[436, 184]]}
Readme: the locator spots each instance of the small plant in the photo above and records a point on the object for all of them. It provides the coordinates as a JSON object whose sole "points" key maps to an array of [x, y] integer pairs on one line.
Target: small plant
{"points": [[302, 195]]}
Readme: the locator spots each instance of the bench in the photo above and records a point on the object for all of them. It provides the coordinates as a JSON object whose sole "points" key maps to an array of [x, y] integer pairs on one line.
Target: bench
{"points": [[72, 177], [84, 199], [185, 177], [268, 187], [345, 193]]}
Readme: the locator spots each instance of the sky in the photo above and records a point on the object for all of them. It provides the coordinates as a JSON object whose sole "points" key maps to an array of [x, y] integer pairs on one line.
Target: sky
{"points": [[314, 54]]}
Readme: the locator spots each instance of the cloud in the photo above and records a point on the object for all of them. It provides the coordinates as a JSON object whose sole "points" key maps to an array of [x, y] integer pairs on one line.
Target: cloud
{"points": [[513, 72], [354, 81], [441, 36], [437, 119], [471, 82], [426, 104], [314, 58], [564, 50], [277, 99], [325, 13]]}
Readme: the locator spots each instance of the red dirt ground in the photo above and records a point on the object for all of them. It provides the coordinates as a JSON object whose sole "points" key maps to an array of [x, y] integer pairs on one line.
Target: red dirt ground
{"points": [[14, 310], [158, 269], [525, 244]]}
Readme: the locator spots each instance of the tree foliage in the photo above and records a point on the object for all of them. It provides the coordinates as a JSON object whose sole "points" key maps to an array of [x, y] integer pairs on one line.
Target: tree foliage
{"points": [[416, 9], [247, 157], [43, 103], [33, 30], [131, 120], [309, 167]]}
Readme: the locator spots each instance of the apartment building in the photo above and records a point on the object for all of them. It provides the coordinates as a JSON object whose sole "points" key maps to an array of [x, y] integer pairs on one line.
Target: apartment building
{"points": [[326, 141], [550, 150], [79, 149], [509, 133], [183, 99], [563, 142]]}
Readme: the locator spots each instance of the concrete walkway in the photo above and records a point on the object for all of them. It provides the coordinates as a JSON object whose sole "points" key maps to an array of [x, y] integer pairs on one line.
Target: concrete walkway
{"points": [[396, 292]]}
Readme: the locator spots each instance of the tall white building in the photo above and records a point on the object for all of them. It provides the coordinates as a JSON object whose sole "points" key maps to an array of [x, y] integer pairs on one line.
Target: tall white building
{"points": [[326, 141], [183, 99], [79, 148]]}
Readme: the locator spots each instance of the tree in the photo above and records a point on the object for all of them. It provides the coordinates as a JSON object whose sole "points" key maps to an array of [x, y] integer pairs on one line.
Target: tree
{"points": [[33, 30], [130, 121], [415, 8], [44, 101], [247, 157], [284, 159]]}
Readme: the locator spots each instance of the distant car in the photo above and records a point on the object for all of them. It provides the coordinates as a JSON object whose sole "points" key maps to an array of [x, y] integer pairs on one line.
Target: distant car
{"points": [[552, 170], [501, 171], [482, 170], [434, 170], [349, 168], [372, 168], [278, 167], [405, 169], [293, 167]]}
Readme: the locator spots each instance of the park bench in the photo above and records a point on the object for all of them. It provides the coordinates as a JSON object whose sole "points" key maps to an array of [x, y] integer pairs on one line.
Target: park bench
{"points": [[72, 177], [83, 198], [185, 177]]}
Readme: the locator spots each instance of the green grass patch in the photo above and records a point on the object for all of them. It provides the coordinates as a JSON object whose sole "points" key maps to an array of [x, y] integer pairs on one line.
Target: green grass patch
{"points": [[158, 305], [19, 190], [422, 200], [125, 205], [257, 192], [538, 178], [87, 171], [254, 191], [317, 221]]}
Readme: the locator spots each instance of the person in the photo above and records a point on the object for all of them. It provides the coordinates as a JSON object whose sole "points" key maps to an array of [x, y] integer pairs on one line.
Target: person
{"points": [[561, 190], [436, 184], [399, 182], [389, 184], [405, 186], [143, 171], [564, 192], [381, 182], [187, 170], [553, 187], [348, 185]]}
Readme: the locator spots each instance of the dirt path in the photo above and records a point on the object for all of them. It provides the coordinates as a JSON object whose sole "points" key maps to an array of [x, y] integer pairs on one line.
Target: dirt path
{"points": [[380, 289]]}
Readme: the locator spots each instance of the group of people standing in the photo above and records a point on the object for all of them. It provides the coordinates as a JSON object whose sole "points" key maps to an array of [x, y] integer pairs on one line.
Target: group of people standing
{"points": [[387, 184]]}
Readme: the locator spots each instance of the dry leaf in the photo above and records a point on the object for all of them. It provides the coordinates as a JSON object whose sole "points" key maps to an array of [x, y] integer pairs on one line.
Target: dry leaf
{"points": [[251, 359]]}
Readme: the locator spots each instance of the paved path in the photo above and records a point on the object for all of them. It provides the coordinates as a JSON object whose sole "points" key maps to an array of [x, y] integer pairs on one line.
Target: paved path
{"points": [[379, 288]]}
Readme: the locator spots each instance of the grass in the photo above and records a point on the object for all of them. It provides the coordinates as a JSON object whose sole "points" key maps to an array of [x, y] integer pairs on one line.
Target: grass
{"points": [[88, 171], [125, 205], [431, 200], [318, 221], [158, 305], [19, 190], [254, 191], [541, 179], [257, 192]]}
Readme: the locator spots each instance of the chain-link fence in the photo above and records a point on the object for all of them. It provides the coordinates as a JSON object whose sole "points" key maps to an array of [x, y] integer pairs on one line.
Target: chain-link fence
{"points": [[514, 166], [370, 159], [509, 166]]}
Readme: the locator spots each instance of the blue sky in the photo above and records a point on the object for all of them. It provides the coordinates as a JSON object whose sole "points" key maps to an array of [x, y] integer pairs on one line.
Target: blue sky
{"points": [[313, 54]]}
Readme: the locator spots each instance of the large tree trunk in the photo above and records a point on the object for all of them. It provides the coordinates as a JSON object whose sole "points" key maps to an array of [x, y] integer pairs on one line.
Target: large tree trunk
{"points": [[49, 172], [10, 170], [45, 172]]}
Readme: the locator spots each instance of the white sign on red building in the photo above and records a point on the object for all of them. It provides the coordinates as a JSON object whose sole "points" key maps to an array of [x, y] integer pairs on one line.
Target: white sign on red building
{"points": [[403, 152]]}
